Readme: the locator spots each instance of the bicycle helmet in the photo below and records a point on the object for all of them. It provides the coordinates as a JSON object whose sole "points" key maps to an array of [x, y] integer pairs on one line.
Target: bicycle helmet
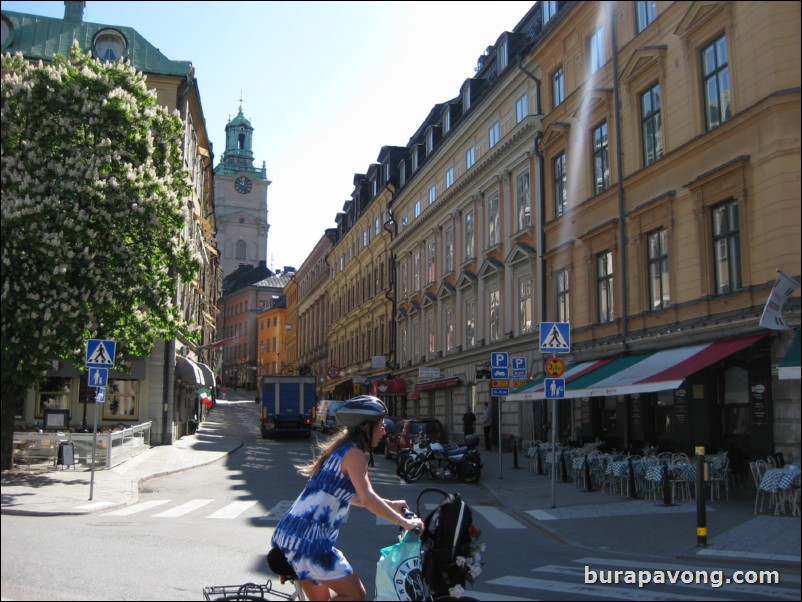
{"points": [[361, 409]]}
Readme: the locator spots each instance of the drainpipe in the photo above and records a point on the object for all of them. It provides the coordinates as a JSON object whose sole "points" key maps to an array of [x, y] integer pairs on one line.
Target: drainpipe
{"points": [[620, 174]]}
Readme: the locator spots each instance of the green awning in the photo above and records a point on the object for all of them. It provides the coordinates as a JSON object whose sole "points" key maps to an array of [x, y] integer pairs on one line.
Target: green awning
{"points": [[789, 366]]}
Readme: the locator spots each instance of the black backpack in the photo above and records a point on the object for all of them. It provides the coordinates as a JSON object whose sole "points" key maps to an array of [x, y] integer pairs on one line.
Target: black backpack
{"points": [[446, 537]]}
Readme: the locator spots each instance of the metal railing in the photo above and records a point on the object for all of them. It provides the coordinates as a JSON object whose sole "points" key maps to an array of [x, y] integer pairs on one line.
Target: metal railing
{"points": [[113, 446]]}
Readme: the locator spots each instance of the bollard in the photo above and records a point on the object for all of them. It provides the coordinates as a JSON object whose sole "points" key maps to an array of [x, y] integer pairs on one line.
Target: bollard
{"points": [[633, 486], [588, 480], [701, 510], [666, 485], [514, 453]]}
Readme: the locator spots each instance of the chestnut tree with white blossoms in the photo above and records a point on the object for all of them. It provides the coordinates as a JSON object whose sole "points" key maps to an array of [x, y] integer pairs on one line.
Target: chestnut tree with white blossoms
{"points": [[93, 198]]}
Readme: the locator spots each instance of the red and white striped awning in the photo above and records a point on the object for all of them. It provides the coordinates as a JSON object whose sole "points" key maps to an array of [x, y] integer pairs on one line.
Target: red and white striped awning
{"points": [[642, 373]]}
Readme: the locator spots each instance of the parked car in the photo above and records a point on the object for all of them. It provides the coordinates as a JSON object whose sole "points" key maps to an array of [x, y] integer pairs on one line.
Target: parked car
{"points": [[409, 429], [391, 425], [325, 419]]}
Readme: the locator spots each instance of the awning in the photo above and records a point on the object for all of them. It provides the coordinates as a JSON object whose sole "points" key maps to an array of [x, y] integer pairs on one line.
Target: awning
{"points": [[443, 383], [647, 372], [388, 387], [329, 387], [535, 389], [789, 366], [192, 372]]}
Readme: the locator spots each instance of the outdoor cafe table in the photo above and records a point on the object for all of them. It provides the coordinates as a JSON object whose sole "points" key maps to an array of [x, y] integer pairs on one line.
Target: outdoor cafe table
{"points": [[778, 481]]}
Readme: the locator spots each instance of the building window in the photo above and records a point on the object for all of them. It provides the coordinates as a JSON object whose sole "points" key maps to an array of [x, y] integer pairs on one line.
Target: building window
{"points": [[417, 208], [448, 316], [493, 220], [377, 226], [414, 159], [470, 322], [501, 56], [404, 346], [122, 397], [241, 249], [560, 190], [563, 296], [601, 160], [598, 53], [54, 394], [109, 45], [558, 87], [716, 83], [447, 121], [493, 134], [647, 12], [470, 157], [449, 177], [470, 236], [431, 255], [432, 194], [525, 305], [549, 10], [466, 97], [727, 247], [449, 249], [604, 282], [659, 297], [521, 108], [651, 125], [494, 321], [404, 281], [523, 200], [416, 272], [429, 141], [404, 220], [430, 332], [402, 172]]}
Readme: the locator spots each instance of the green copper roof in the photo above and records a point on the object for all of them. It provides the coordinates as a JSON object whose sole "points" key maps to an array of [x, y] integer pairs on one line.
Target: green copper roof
{"points": [[41, 37]]}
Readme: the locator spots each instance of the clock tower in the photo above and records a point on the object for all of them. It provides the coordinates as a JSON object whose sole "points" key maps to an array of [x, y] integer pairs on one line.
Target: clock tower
{"points": [[240, 200]]}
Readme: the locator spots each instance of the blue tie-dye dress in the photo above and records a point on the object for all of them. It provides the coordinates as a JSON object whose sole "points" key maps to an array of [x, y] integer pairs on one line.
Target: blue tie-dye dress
{"points": [[308, 531]]}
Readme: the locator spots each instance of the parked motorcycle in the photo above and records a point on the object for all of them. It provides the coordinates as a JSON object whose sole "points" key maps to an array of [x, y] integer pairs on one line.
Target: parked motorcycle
{"points": [[444, 462]]}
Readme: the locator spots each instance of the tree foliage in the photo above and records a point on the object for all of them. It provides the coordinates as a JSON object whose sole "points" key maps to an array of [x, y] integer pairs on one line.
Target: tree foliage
{"points": [[93, 202]]}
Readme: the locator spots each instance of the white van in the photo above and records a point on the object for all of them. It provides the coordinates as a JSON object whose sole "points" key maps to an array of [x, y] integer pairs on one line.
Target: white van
{"points": [[325, 420]]}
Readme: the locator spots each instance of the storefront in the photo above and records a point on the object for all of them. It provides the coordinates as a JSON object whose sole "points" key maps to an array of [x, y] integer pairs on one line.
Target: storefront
{"points": [[716, 394], [392, 391]]}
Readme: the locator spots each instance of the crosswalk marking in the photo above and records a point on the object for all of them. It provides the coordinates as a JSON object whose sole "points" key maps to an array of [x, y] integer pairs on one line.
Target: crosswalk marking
{"points": [[141, 507], [183, 509], [233, 509], [497, 518]]}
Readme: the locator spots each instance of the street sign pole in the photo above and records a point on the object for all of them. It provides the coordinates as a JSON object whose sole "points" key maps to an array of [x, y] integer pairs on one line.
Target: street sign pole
{"points": [[553, 452], [94, 449]]}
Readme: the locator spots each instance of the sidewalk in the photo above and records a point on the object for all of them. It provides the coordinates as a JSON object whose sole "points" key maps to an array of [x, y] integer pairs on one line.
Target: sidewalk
{"points": [[600, 522]]}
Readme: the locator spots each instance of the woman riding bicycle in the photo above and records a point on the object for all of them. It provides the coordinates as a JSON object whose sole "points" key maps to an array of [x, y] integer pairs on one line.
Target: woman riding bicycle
{"points": [[338, 477]]}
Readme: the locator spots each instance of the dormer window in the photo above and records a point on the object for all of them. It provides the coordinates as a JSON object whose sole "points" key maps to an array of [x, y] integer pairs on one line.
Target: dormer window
{"points": [[501, 55], [387, 172], [109, 45], [466, 97], [429, 141], [447, 121], [7, 32], [414, 158], [402, 171]]}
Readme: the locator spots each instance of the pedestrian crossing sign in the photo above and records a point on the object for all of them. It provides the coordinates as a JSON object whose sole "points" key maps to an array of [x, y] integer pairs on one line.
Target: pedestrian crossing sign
{"points": [[99, 353], [555, 337]]}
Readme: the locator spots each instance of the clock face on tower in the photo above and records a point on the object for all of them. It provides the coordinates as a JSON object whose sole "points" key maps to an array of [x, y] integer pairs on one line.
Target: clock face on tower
{"points": [[243, 185]]}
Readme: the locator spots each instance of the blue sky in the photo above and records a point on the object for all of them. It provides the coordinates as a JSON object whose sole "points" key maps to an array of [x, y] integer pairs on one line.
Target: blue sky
{"points": [[325, 84]]}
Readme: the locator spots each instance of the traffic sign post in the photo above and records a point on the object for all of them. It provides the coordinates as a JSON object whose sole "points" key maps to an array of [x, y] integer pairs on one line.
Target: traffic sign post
{"points": [[99, 358]]}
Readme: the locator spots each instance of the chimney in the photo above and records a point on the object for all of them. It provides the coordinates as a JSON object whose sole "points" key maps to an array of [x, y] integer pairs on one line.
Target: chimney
{"points": [[74, 11]]}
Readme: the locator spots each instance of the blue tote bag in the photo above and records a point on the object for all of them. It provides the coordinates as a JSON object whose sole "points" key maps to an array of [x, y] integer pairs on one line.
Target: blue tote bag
{"points": [[398, 572]]}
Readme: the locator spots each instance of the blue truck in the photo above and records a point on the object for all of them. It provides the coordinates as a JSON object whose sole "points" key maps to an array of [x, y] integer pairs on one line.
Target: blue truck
{"points": [[287, 405]]}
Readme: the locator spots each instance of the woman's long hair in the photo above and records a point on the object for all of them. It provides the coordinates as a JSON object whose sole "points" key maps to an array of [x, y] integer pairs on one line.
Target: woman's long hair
{"points": [[361, 435]]}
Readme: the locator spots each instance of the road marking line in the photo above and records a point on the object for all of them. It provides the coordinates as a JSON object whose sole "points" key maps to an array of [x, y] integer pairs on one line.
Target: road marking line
{"points": [[183, 509], [137, 508], [233, 510]]}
